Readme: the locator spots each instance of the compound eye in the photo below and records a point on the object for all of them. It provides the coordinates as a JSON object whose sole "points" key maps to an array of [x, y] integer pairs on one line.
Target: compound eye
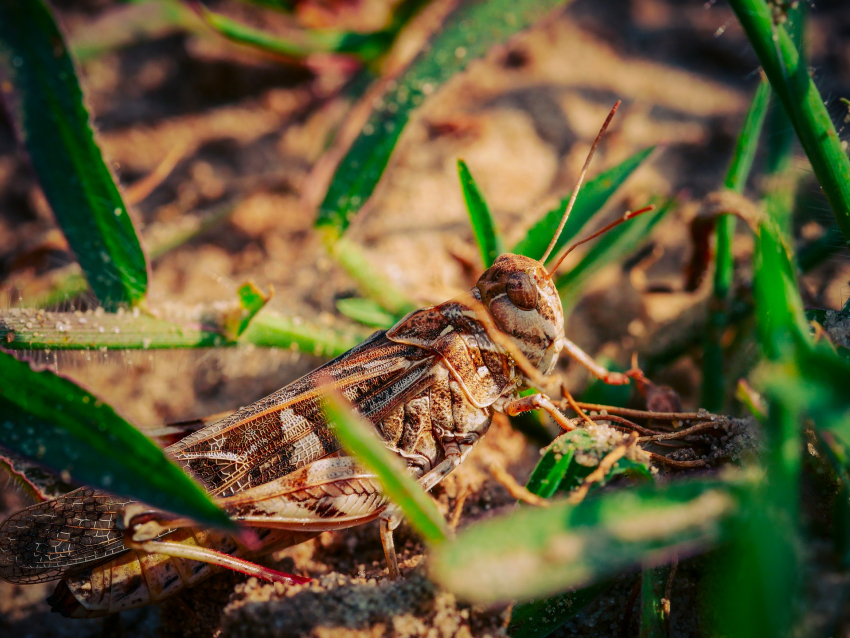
{"points": [[521, 291]]}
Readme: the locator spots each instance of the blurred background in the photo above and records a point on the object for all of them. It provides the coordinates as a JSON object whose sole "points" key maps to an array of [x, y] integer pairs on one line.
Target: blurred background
{"points": [[230, 145]]}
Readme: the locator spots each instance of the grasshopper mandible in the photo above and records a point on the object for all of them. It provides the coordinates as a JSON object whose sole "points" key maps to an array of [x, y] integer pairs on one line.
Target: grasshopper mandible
{"points": [[430, 386]]}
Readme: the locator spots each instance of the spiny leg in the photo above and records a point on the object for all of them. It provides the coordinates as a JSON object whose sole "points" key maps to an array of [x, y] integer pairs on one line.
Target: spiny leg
{"points": [[213, 557], [597, 370], [390, 520], [539, 401]]}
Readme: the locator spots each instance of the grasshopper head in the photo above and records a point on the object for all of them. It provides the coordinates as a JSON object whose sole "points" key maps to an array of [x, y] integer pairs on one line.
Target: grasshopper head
{"points": [[521, 297]]}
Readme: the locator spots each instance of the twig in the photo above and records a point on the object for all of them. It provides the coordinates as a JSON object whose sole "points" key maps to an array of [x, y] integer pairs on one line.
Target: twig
{"points": [[458, 508], [699, 427], [643, 414], [684, 465], [514, 489]]}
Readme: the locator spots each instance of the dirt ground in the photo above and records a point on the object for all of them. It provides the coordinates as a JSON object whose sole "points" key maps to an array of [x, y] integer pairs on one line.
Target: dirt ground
{"points": [[252, 130]]}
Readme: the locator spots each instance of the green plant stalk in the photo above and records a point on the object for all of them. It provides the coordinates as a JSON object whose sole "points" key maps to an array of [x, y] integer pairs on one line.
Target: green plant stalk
{"points": [[359, 438], [536, 552], [366, 46], [484, 227], [367, 312], [652, 620], [714, 379], [372, 283], [781, 180], [27, 329], [803, 103]]}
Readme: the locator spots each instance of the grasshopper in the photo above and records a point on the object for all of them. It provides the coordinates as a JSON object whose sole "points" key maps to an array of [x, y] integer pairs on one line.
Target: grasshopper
{"points": [[430, 386]]}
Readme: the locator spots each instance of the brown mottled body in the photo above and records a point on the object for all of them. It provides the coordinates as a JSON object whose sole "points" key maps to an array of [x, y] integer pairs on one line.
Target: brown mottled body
{"points": [[430, 385]]}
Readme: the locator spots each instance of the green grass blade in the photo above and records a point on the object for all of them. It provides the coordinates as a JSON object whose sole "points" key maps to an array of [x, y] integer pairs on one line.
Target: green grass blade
{"points": [[54, 421], [372, 282], [366, 46], [47, 110], [803, 103], [367, 312], [779, 309], [274, 330], [652, 621], [538, 552], [591, 198], [549, 472], [714, 380], [27, 329], [779, 141], [748, 140], [251, 301], [486, 232], [359, 439], [612, 246], [468, 33]]}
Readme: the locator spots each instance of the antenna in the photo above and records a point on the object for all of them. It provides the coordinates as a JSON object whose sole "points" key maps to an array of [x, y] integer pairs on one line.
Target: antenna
{"points": [[572, 201], [626, 217]]}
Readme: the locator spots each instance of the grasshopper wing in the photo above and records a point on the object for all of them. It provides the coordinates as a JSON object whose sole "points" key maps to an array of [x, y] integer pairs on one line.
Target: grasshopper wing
{"points": [[287, 430], [46, 540]]}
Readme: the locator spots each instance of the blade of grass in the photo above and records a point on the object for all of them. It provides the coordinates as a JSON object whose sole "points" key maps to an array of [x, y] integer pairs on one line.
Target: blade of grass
{"points": [[803, 103], [46, 107], [590, 200], [366, 312], [25, 329], [781, 180], [359, 439], [54, 421], [365, 46], [653, 623], [251, 301], [535, 552], [613, 245], [486, 232], [714, 380], [779, 310], [372, 283], [468, 33]]}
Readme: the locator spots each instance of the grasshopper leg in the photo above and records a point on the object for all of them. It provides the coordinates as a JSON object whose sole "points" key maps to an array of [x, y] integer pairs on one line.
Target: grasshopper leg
{"points": [[539, 402], [598, 371], [213, 557], [389, 521], [391, 518]]}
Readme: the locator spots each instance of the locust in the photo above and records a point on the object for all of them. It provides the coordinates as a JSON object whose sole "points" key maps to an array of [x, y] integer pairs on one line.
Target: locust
{"points": [[430, 386]]}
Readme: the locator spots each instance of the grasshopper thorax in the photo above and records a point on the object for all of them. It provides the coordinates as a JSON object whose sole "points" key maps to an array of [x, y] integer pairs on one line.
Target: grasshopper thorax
{"points": [[522, 299]]}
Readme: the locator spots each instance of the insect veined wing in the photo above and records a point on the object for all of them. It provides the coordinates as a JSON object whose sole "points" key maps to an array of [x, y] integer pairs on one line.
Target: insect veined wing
{"points": [[43, 541], [287, 429]]}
